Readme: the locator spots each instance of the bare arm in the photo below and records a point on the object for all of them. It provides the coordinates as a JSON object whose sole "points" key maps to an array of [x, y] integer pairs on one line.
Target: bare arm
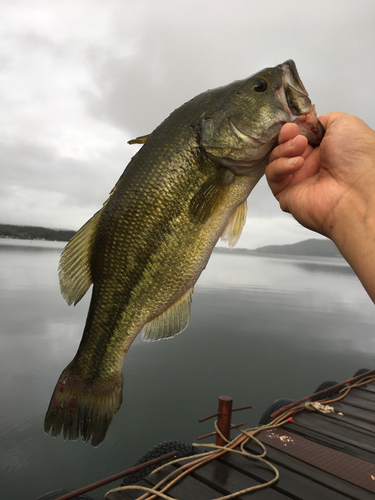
{"points": [[331, 189]]}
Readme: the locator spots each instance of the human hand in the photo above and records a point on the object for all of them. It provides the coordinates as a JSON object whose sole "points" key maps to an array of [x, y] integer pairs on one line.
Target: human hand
{"points": [[318, 186]]}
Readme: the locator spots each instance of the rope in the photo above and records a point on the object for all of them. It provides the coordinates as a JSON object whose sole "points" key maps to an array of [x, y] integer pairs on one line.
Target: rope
{"points": [[241, 441], [143, 488], [207, 457]]}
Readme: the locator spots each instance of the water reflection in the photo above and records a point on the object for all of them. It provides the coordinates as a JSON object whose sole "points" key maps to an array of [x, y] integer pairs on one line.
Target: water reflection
{"points": [[262, 328], [301, 283], [314, 267]]}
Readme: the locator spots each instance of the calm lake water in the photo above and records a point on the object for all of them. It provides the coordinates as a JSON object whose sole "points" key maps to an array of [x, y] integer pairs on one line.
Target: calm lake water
{"points": [[262, 328]]}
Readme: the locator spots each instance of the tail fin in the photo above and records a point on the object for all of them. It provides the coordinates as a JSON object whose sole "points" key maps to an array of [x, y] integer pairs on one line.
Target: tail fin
{"points": [[78, 407]]}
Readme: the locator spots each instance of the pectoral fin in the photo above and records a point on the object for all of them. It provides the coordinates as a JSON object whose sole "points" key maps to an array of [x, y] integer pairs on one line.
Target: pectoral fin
{"points": [[171, 322], [210, 195], [233, 229], [139, 140], [74, 265]]}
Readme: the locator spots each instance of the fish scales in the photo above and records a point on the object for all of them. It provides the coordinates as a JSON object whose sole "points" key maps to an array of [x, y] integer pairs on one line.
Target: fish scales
{"points": [[145, 249]]}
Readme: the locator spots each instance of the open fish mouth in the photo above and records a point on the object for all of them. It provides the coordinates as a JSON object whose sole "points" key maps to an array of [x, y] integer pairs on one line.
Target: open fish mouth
{"points": [[297, 104]]}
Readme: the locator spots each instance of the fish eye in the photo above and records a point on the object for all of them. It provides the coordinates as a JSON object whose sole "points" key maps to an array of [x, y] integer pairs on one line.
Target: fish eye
{"points": [[260, 85]]}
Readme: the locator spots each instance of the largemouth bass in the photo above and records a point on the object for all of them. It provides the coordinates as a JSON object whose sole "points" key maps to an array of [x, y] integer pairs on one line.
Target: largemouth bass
{"points": [[145, 249]]}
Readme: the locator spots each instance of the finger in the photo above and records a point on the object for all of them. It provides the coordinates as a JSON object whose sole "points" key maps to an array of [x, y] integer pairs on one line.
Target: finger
{"points": [[324, 119], [294, 147], [282, 168], [328, 118], [307, 151], [288, 131]]}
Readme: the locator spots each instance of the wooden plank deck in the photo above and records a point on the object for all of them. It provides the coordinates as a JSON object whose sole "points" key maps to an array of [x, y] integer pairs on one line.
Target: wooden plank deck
{"points": [[318, 456]]}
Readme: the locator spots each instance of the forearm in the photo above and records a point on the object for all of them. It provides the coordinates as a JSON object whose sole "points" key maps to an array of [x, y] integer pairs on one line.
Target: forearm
{"points": [[354, 236]]}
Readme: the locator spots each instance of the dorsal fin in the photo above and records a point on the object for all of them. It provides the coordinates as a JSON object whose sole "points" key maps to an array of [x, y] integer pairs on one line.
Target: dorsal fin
{"points": [[74, 265], [139, 140], [233, 229], [171, 322], [210, 195]]}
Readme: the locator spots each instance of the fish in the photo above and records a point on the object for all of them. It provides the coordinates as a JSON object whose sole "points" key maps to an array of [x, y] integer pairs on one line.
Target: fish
{"points": [[144, 250]]}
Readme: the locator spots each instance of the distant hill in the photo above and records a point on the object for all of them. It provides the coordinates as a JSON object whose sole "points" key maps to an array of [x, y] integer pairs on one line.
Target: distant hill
{"points": [[311, 247], [35, 233]]}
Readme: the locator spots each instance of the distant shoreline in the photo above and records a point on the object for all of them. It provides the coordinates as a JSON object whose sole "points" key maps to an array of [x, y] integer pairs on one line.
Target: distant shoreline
{"points": [[9, 231], [311, 247]]}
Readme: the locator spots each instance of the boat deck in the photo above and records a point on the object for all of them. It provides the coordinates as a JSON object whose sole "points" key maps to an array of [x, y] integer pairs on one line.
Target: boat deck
{"points": [[318, 456]]}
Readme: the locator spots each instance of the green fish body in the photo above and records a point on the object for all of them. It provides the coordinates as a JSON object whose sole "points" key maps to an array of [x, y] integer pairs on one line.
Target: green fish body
{"points": [[145, 249]]}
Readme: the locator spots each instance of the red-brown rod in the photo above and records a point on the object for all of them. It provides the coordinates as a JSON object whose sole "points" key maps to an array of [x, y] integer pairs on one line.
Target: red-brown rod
{"points": [[93, 486], [224, 419]]}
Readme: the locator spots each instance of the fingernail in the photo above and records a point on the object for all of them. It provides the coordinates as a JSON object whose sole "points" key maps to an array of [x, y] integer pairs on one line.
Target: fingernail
{"points": [[291, 161]]}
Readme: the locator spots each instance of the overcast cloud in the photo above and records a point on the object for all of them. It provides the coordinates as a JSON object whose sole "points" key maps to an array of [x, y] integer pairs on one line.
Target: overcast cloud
{"points": [[78, 79]]}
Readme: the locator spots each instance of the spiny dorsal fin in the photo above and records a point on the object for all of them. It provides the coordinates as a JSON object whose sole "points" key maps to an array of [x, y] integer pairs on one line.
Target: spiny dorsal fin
{"points": [[171, 322], [210, 194], [139, 140], [233, 229], [74, 265]]}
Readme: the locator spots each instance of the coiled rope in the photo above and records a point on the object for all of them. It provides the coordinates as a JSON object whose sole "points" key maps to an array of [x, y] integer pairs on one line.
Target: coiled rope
{"points": [[239, 441]]}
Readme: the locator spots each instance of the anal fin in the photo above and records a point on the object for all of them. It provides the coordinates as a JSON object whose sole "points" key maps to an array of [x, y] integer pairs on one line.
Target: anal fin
{"points": [[171, 322]]}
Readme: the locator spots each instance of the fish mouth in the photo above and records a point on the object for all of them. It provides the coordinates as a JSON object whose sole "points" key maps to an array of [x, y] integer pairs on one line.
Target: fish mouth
{"points": [[296, 102]]}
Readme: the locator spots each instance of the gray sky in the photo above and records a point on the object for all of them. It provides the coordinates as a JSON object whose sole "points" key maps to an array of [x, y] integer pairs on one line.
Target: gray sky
{"points": [[79, 78]]}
